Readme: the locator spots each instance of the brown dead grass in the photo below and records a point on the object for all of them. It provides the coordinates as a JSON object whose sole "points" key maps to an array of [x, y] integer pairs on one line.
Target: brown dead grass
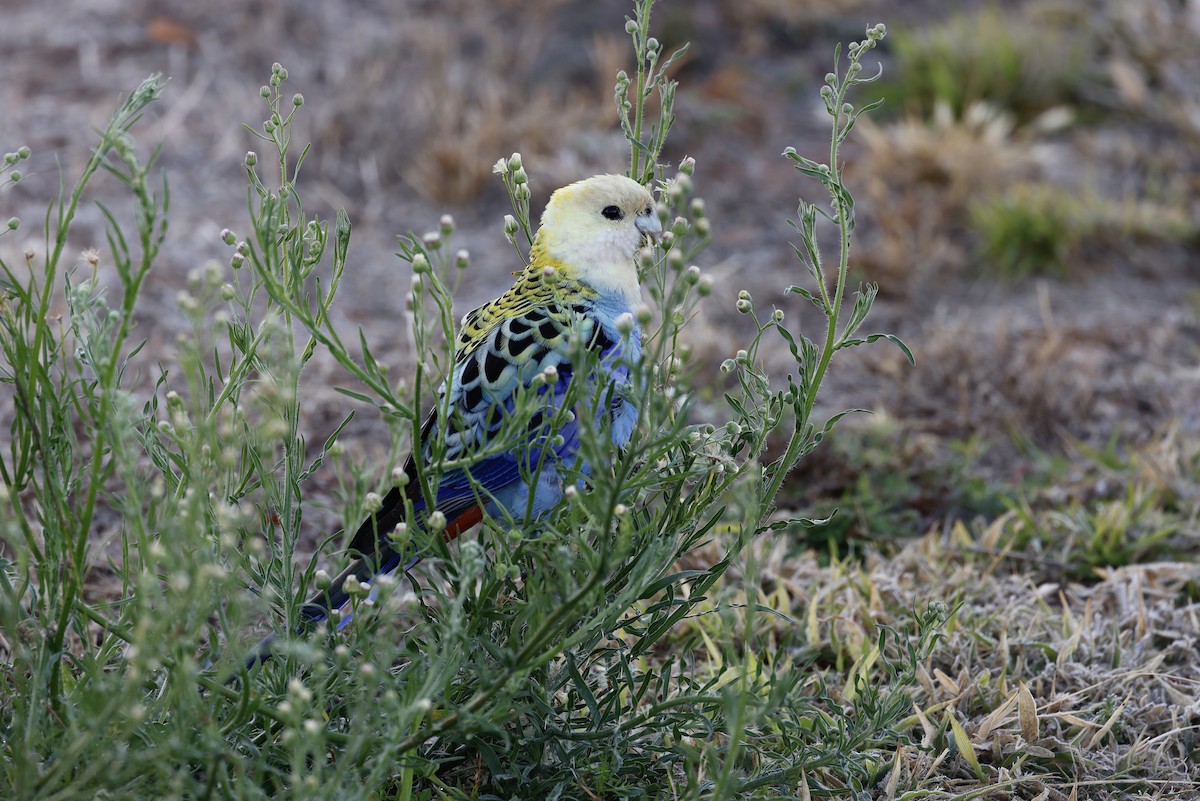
{"points": [[919, 179]]}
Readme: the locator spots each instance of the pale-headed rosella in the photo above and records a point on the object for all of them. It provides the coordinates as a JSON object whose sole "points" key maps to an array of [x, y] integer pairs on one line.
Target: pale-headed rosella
{"points": [[580, 286]]}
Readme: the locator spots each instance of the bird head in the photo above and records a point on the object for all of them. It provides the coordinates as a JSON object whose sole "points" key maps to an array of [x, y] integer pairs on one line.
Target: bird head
{"points": [[592, 229]]}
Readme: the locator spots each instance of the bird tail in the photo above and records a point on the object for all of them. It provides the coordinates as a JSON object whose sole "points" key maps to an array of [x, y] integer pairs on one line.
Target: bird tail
{"points": [[319, 607]]}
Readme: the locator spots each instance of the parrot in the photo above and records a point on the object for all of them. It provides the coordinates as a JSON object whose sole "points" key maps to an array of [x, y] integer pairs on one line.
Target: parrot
{"points": [[581, 280]]}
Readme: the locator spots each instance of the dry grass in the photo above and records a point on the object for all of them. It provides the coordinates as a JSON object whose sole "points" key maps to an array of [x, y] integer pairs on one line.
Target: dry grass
{"points": [[1040, 688], [1153, 56], [989, 373], [451, 111], [919, 178]]}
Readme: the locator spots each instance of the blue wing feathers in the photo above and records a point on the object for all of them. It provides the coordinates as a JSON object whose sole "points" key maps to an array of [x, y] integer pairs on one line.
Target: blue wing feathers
{"points": [[483, 392]]}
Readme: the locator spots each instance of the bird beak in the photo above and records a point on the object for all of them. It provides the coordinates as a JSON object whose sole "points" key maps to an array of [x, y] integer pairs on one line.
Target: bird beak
{"points": [[649, 225]]}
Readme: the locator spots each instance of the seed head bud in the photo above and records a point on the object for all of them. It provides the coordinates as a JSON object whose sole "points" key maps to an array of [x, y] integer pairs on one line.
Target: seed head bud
{"points": [[631, 27], [321, 580], [778, 315], [432, 240], [550, 373], [687, 166], [236, 261], [519, 176], [652, 44], [228, 237], [511, 226], [420, 264], [251, 158], [697, 207], [550, 274], [462, 259], [847, 108], [23, 152], [446, 223], [437, 521], [13, 223], [692, 274], [830, 78], [624, 323], [522, 192], [15, 176], [620, 510], [297, 100], [646, 258], [827, 93], [675, 259], [744, 306], [571, 492], [644, 315], [264, 91], [744, 295], [415, 283], [514, 162], [702, 226], [372, 503]]}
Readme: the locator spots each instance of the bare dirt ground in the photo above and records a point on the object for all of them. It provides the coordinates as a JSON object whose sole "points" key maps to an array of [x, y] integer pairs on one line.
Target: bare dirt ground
{"points": [[409, 103]]}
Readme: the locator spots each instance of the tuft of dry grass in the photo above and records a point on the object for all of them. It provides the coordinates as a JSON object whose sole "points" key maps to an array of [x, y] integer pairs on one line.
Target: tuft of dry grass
{"points": [[1041, 381], [919, 177], [456, 96], [1152, 58]]}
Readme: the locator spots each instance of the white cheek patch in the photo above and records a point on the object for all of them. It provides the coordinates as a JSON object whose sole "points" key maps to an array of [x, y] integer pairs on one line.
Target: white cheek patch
{"points": [[604, 259]]}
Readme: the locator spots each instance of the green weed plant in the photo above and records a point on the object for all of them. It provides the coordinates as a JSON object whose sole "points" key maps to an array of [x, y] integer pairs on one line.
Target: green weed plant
{"points": [[539, 658]]}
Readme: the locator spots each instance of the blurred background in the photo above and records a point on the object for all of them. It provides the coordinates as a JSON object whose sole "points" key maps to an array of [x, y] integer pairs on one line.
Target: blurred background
{"points": [[1029, 195]]}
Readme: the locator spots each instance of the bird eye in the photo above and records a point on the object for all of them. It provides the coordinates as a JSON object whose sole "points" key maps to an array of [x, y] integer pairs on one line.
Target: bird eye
{"points": [[648, 210], [612, 213]]}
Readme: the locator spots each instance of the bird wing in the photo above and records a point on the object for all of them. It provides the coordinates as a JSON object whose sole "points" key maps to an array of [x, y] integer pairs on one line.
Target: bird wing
{"points": [[492, 369]]}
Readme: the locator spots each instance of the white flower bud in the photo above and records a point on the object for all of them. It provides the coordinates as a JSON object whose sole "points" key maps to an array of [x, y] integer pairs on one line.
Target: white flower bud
{"points": [[437, 521], [372, 503]]}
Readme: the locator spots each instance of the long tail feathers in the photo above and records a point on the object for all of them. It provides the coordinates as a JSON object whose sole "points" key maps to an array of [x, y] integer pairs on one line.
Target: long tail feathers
{"points": [[365, 569]]}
